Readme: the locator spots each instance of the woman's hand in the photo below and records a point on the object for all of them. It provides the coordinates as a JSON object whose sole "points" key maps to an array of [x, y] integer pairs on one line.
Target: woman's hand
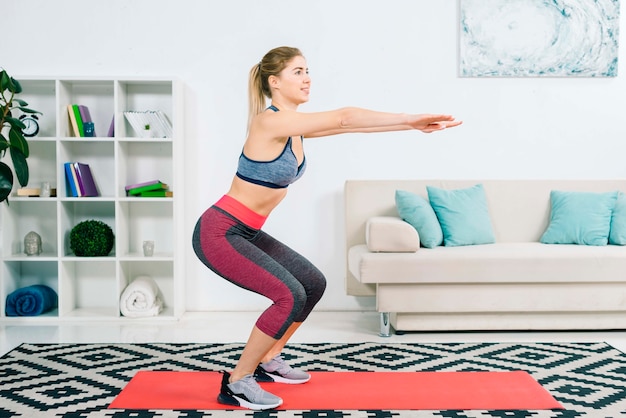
{"points": [[432, 123]]}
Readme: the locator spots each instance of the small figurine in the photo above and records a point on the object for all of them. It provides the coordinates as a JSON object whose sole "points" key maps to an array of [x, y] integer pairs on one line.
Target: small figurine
{"points": [[32, 243]]}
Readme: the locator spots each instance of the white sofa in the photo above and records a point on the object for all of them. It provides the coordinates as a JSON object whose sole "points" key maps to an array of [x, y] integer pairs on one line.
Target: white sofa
{"points": [[517, 283]]}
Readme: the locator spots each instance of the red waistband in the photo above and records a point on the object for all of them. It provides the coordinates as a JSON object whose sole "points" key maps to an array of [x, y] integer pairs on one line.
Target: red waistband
{"points": [[241, 212]]}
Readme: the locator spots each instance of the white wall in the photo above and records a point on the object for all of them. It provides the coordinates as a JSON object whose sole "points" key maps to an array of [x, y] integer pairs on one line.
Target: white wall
{"points": [[397, 55]]}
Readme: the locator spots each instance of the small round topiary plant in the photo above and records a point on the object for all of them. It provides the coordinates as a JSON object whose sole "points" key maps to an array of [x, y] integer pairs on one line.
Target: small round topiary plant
{"points": [[91, 238]]}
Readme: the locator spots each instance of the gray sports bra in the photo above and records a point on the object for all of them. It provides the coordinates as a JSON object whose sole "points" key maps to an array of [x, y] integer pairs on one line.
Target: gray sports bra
{"points": [[277, 173]]}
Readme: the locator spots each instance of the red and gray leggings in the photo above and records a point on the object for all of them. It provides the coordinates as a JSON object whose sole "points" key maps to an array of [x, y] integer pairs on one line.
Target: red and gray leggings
{"points": [[229, 241]]}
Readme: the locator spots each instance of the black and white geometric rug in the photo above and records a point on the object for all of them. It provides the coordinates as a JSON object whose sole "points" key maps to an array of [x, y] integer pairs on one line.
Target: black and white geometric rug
{"points": [[80, 380]]}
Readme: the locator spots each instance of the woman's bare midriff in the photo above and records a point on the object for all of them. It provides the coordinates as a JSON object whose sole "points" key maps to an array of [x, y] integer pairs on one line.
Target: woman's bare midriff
{"points": [[257, 198]]}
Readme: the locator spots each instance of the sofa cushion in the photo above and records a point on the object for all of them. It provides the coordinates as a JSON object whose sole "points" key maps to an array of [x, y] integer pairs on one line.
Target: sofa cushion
{"points": [[525, 262], [390, 234], [417, 211], [579, 218], [463, 215], [617, 235]]}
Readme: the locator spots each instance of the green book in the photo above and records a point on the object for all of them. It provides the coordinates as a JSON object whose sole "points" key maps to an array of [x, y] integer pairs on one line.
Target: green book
{"points": [[157, 193], [147, 188], [79, 120]]}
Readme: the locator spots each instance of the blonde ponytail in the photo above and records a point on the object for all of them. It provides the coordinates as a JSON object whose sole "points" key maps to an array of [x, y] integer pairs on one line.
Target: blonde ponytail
{"points": [[256, 97], [258, 86]]}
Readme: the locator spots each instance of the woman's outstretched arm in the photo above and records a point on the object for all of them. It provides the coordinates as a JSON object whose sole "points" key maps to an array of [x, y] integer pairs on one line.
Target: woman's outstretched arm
{"points": [[347, 120]]}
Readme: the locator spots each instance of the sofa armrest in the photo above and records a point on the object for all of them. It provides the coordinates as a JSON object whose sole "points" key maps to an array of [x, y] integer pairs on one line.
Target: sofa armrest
{"points": [[390, 234]]}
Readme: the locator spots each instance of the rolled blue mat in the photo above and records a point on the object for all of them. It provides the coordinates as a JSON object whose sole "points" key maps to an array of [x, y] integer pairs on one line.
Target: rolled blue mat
{"points": [[31, 301]]}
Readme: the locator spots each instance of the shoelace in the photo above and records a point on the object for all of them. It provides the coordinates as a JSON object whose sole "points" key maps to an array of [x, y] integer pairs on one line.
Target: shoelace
{"points": [[283, 367]]}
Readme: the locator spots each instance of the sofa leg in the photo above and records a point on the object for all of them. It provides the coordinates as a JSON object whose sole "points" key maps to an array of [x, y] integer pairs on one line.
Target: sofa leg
{"points": [[385, 326]]}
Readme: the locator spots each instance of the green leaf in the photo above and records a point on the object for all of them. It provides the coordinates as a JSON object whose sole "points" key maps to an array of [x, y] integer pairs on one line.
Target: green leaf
{"points": [[15, 122], [10, 85], [4, 80], [27, 110], [4, 144], [17, 87], [18, 142], [20, 166], [20, 102], [6, 181]]}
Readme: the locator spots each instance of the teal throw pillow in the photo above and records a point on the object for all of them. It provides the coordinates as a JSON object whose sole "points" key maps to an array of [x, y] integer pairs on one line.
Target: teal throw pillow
{"points": [[579, 218], [415, 210], [463, 215], [617, 235]]}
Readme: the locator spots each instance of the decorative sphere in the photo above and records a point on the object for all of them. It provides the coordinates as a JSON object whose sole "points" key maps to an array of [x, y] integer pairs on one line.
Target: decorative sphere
{"points": [[91, 238]]}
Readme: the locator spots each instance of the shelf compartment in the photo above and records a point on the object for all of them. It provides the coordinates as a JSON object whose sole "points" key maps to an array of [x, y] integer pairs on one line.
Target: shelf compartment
{"points": [[100, 155], [41, 96], [74, 211], [140, 221], [88, 288], [162, 272], [97, 95], [42, 164], [19, 274], [23, 216], [144, 161], [141, 95]]}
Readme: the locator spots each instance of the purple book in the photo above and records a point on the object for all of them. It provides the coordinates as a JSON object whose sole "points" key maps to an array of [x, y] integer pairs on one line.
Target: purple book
{"points": [[85, 115], [146, 183], [85, 180], [111, 132]]}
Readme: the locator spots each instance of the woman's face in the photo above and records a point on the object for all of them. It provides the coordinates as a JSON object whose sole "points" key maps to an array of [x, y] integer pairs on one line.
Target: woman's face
{"points": [[294, 82]]}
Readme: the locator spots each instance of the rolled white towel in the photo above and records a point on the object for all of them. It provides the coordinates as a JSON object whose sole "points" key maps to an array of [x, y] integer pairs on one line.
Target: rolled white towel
{"points": [[141, 298]]}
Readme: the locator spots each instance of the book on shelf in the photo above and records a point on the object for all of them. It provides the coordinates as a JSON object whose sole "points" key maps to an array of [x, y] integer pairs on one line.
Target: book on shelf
{"points": [[79, 120], [156, 121], [28, 191], [78, 115], [142, 184], [85, 179], [85, 116], [73, 122], [149, 187], [157, 193], [34, 192], [70, 177], [80, 180], [111, 132]]}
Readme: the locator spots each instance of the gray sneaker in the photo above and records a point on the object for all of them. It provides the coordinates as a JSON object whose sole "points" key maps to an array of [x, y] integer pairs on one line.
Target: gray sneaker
{"points": [[246, 392], [277, 370]]}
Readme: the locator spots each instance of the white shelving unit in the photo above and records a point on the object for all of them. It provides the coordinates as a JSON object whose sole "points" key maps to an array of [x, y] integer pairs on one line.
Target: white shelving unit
{"points": [[89, 288]]}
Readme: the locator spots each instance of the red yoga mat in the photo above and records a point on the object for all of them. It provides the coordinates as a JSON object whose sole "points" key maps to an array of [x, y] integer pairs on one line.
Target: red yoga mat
{"points": [[347, 391]]}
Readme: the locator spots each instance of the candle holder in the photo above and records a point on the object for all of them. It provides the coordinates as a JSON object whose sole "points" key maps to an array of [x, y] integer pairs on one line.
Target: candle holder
{"points": [[148, 248]]}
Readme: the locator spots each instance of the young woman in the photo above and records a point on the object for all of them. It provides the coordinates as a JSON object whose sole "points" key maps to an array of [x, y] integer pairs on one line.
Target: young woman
{"points": [[228, 238]]}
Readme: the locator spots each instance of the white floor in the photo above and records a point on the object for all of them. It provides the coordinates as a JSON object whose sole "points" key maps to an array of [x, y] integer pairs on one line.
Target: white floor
{"points": [[225, 327]]}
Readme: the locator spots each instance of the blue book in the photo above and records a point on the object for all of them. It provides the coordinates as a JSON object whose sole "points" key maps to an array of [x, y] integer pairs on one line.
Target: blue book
{"points": [[69, 176]]}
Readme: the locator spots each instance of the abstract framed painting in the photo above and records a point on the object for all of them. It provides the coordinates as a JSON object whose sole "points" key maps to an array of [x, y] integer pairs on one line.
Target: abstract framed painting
{"points": [[538, 38]]}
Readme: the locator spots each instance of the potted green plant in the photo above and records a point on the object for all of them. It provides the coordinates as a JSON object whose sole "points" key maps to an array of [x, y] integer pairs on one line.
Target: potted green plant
{"points": [[91, 238], [12, 135]]}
